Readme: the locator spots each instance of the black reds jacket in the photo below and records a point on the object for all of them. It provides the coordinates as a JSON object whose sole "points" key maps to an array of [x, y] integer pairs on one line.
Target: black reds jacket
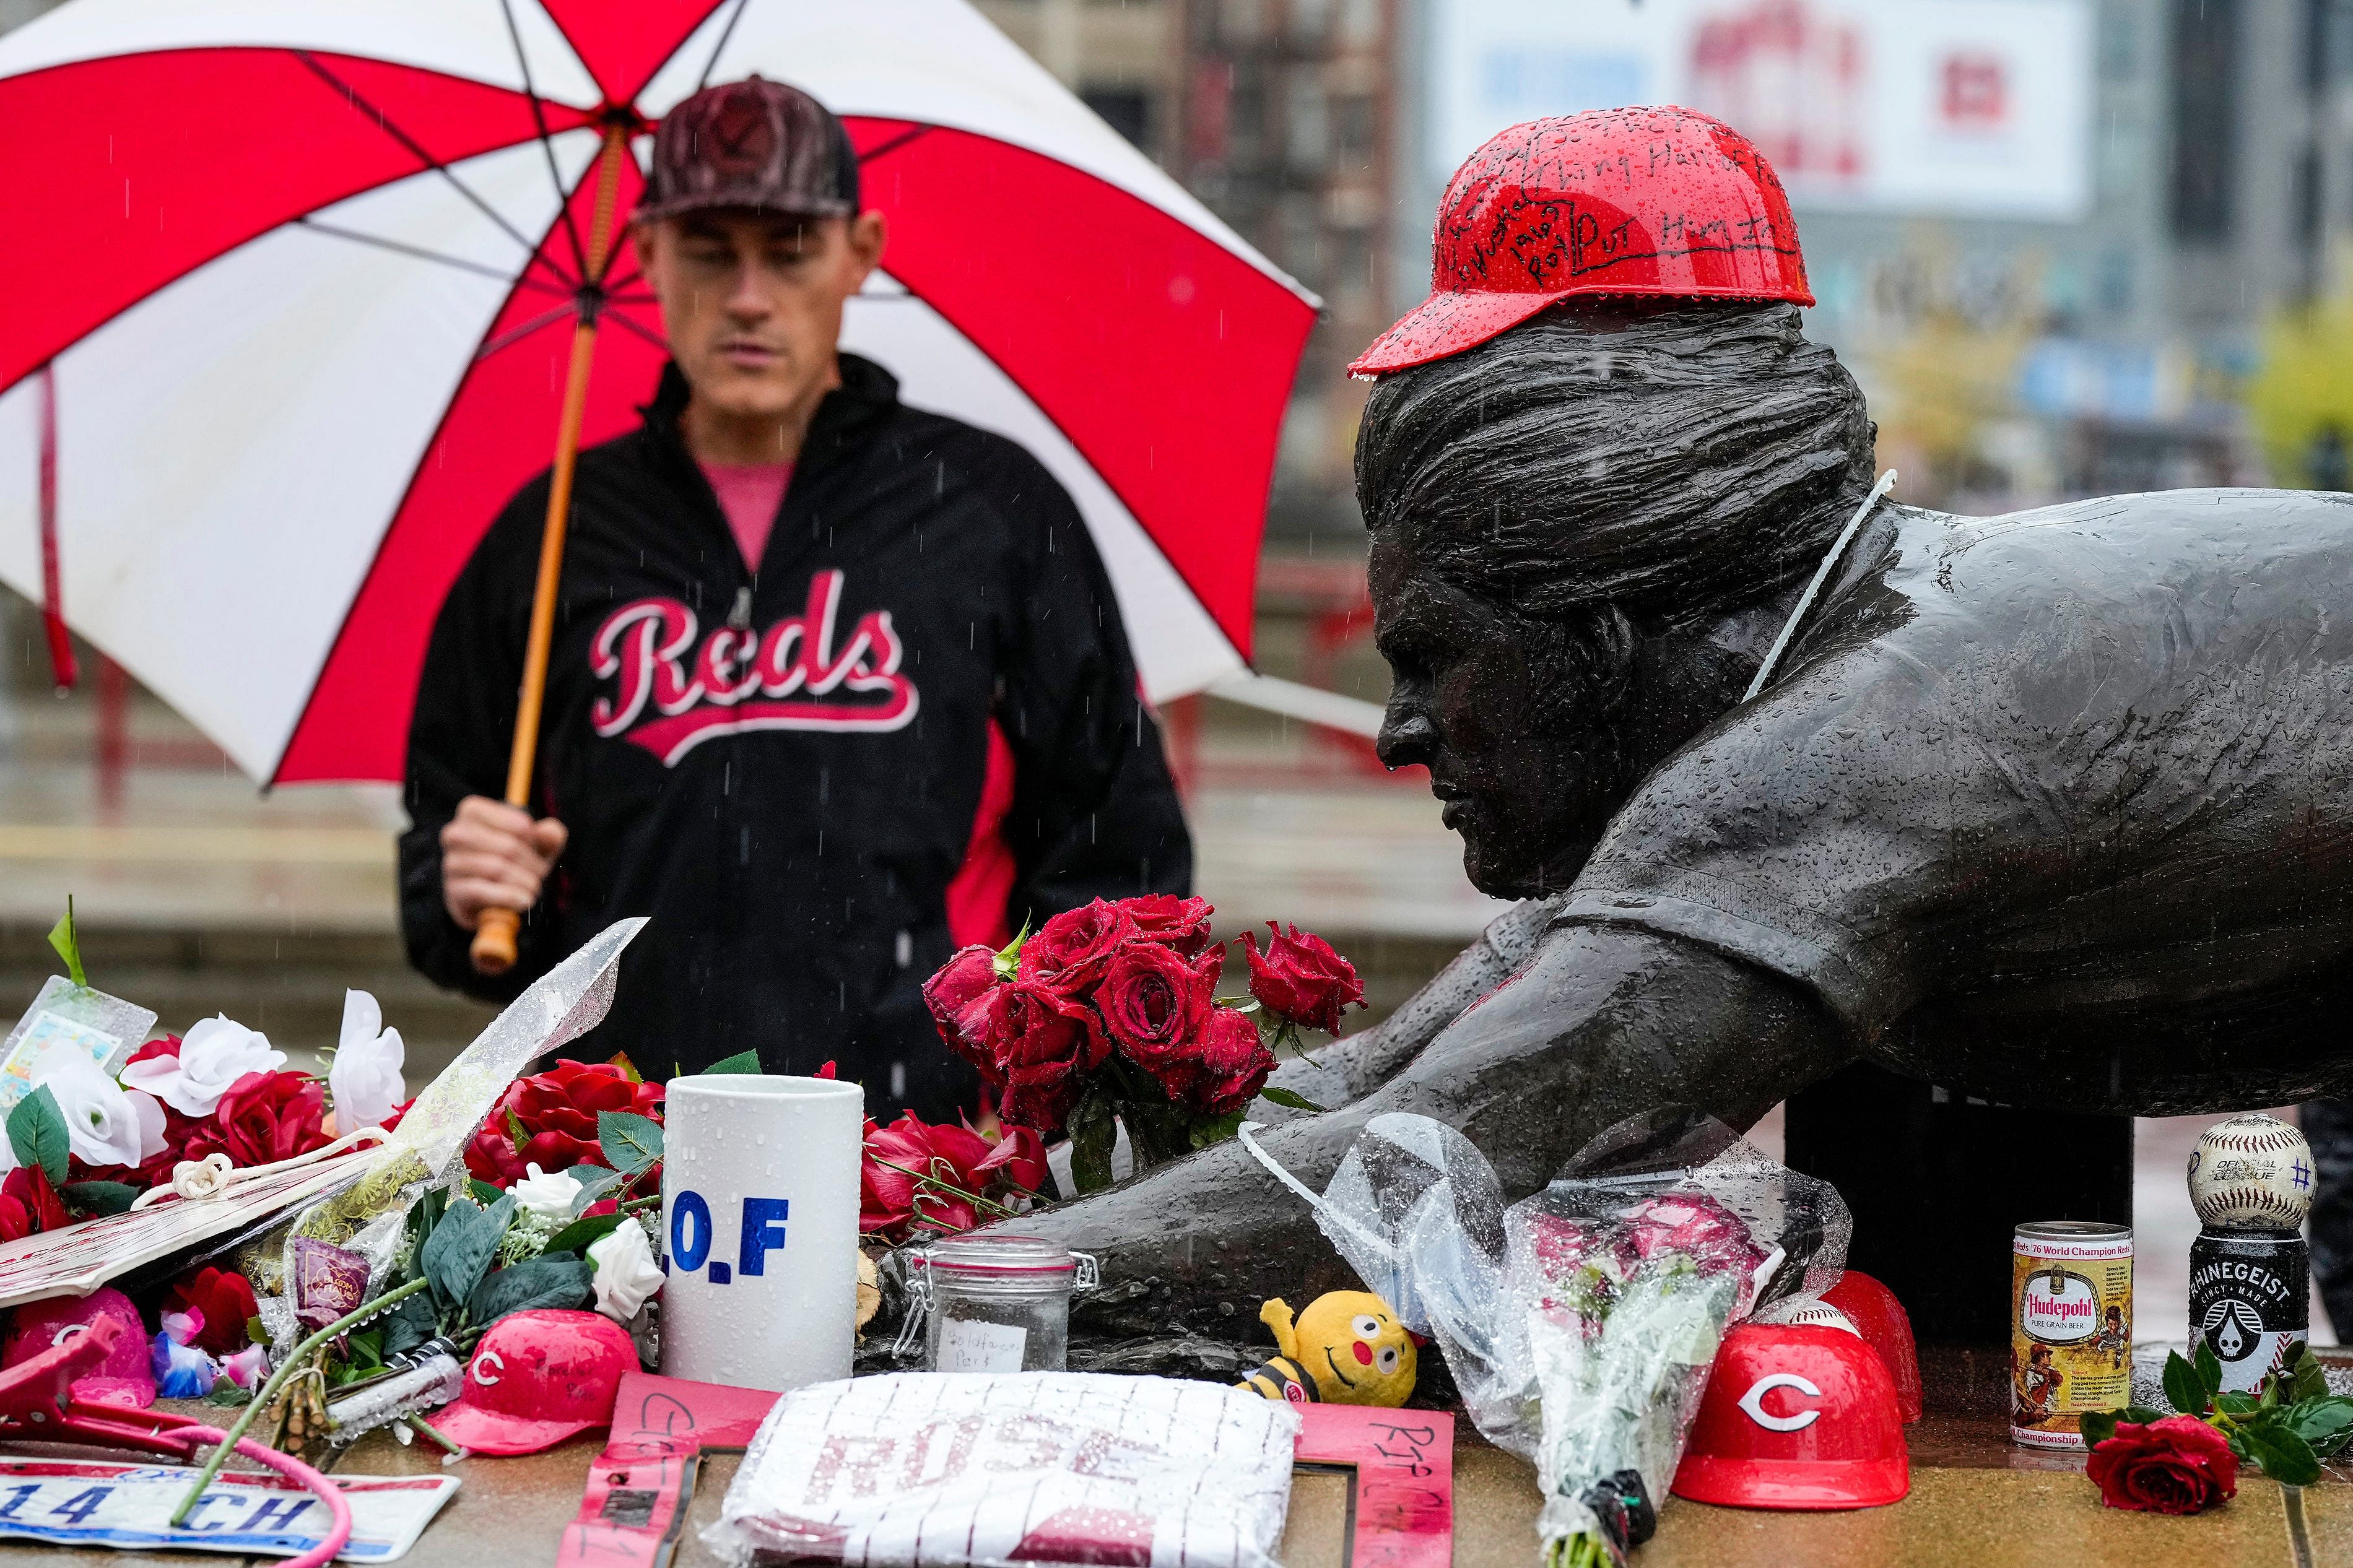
{"points": [[917, 721]]}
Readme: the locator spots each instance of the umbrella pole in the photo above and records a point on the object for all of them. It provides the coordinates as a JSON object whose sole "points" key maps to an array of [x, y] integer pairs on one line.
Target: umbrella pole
{"points": [[494, 939]]}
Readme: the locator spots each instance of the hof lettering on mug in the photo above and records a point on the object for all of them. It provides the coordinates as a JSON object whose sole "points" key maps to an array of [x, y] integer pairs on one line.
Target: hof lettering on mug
{"points": [[692, 1232]]}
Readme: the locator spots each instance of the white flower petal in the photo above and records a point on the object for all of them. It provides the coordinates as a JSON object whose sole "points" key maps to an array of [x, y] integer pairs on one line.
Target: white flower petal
{"points": [[627, 1274], [547, 1196], [365, 1079]]}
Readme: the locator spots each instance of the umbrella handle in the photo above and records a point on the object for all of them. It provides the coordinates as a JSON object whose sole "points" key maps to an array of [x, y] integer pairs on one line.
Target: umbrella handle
{"points": [[493, 951]]}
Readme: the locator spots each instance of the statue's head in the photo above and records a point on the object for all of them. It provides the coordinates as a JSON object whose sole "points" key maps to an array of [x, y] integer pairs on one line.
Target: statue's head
{"points": [[1583, 528]]}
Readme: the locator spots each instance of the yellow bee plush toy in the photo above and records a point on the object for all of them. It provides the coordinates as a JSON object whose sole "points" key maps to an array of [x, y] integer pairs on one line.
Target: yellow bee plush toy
{"points": [[1348, 1348]]}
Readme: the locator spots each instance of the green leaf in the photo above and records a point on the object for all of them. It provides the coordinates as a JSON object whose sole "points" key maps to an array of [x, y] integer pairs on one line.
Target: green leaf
{"points": [[69, 946], [408, 1325], [37, 1132], [228, 1395], [2098, 1426], [1009, 957], [1093, 1133], [1215, 1129], [535, 1282], [2231, 1404], [2183, 1385], [630, 1142], [515, 1134], [2142, 1414], [2210, 1371], [2285, 1457], [2306, 1380], [581, 1234], [484, 1193], [594, 1181], [2325, 1423], [96, 1198], [1292, 1098], [459, 1252], [742, 1061]]}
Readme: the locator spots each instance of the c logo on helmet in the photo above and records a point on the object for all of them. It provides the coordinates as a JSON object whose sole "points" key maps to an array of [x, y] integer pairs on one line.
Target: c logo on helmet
{"points": [[483, 1362], [1753, 1401]]}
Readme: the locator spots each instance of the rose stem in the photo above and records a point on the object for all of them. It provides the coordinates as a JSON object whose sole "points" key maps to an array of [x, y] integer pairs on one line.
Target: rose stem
{"points": [[269, 1392]]}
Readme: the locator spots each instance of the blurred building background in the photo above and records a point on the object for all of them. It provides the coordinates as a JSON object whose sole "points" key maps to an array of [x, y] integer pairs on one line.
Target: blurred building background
{"points": [[2069, 247]]}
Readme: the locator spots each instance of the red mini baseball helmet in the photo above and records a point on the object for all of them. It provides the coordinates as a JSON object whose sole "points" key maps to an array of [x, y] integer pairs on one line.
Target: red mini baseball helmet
{"points": [[1796, 1417], [1660, 202], [537, 1378], [1887, 1327]]}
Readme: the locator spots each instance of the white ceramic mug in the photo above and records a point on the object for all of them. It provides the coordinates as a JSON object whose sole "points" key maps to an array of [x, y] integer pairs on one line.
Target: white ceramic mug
{"points": [[760, 1229]]}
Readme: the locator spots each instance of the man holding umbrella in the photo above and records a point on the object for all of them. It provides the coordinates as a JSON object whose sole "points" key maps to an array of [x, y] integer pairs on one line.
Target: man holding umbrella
{"points": [[836, 685]]}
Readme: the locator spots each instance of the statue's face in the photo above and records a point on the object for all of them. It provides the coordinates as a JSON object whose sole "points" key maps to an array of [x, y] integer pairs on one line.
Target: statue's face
{"points": [[1516, 742]]}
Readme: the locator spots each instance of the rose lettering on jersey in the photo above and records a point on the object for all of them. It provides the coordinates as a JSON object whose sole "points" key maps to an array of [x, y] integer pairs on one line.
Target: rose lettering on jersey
{"points": [[736, 680]]}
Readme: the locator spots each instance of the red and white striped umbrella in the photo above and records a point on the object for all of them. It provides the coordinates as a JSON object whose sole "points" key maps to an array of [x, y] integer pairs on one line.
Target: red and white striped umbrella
{"points": [[286, 283]]}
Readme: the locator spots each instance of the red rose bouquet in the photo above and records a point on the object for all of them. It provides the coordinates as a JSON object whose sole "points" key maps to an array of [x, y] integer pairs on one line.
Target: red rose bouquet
{"points": [[1112, 1012]]}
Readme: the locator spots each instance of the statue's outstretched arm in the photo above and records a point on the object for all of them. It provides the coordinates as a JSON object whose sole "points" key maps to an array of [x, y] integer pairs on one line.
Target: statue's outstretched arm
{"points": [[1606, 1022], [1352, 1069]]}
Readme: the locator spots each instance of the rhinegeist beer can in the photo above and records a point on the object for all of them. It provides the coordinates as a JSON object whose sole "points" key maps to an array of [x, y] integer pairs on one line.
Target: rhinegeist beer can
{"points": [[2069, 1328], [2249, 1300]]}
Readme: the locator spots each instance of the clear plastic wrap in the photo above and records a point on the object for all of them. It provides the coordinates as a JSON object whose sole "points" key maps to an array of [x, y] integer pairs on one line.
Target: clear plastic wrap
{"points": [[1580, 1322], [974, 1470]]}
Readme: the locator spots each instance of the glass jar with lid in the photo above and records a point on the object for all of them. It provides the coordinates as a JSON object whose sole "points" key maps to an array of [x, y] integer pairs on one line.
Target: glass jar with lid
{"points": [[998, 1304]]}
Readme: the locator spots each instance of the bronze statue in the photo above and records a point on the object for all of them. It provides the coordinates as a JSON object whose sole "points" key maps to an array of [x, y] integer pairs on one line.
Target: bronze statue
{"points": [[2054, 808]]}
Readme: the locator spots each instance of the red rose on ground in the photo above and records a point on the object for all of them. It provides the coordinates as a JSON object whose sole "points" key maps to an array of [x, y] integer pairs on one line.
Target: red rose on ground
{"points": [[224, 1299], [1154, 1003], [1232, 1063], [556, 1111], [1042, 1041], [2179, 1465], [953, 995], [265, 1116], [1299, 978], [1071, 950], [1163, 918], [27, 1187]]}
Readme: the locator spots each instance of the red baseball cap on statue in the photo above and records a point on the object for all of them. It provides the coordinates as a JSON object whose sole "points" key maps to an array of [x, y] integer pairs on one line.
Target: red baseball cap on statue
{"points": [[1796, 1417], [1660, 202], [539, 1377], [1886, 1328]]}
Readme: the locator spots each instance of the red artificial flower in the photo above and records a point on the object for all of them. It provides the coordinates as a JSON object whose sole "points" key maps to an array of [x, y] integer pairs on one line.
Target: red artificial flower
{"points": [[2179, 1465], [224, 1299], [164, 1045], [1301, 979], [1040, 1040], [890, 1194], [264, 1118], [1154, 1004], [16, 1221], [1071, 950], [36, 1201], [556, 1113], [1019, 1155], [1163, 918], [954, 995], [1231, 1064], [895, 1204]]}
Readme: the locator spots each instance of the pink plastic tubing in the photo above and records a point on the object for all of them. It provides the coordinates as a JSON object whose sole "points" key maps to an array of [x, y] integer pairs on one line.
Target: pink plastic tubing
{"points": [[95, 1423]]}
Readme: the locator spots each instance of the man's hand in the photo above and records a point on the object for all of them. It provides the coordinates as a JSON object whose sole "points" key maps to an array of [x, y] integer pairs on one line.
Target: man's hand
{"points": [[494, 856]]}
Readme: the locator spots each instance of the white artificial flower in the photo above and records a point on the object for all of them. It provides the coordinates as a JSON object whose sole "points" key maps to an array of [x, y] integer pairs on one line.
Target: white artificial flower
{"points": [[106, 1124], [626, 1271], [366, 1077], [548, 1196], [214, 1055]]}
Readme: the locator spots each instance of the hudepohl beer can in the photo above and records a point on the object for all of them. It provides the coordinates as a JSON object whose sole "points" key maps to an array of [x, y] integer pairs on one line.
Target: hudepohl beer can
{"points": [[2069, 1328]]}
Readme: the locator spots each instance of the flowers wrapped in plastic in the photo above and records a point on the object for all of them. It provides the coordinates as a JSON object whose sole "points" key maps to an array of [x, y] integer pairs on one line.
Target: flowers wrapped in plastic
{"points": [[1580, 1322]]}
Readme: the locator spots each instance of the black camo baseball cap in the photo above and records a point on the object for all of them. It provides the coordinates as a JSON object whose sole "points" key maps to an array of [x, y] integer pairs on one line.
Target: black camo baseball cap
{"points": [[752, 143]]}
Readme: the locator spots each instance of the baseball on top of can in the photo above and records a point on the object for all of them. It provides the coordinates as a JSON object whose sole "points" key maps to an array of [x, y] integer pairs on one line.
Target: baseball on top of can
{"points": [[2251, 1172]]}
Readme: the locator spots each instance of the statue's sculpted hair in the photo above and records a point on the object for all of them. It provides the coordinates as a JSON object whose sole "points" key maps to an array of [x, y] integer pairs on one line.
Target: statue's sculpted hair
{"points": [[1673, 463]]}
